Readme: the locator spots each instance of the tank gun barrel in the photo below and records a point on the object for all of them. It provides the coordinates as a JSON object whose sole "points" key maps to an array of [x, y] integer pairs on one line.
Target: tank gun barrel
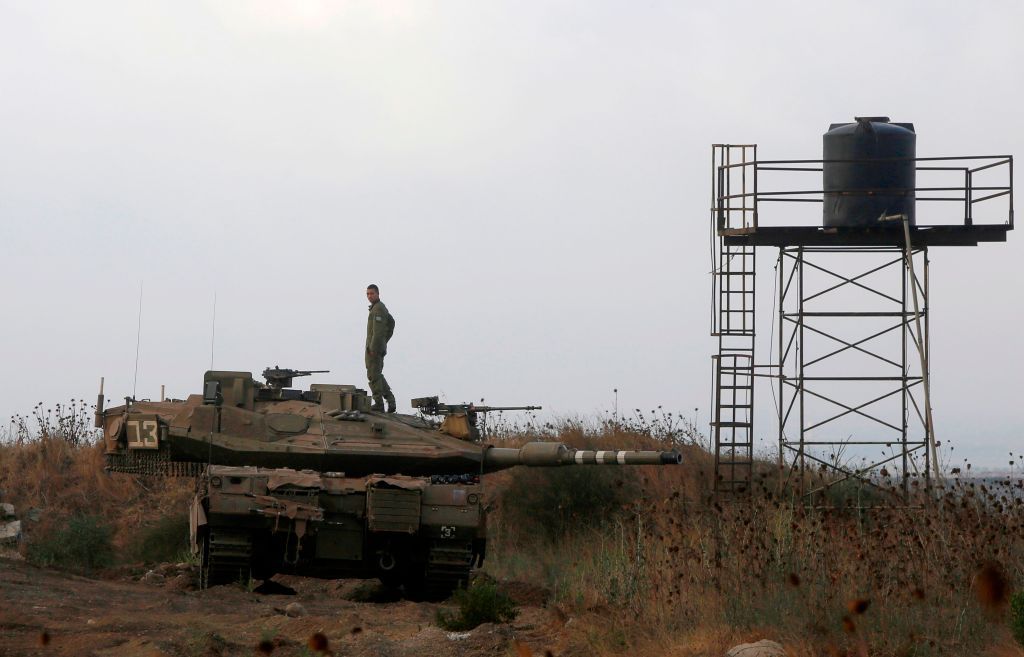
{"points": [[541, 454]]}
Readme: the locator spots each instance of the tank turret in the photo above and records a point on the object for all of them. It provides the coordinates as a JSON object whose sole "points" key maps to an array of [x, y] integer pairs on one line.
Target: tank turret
{"points": [[238, 421]]}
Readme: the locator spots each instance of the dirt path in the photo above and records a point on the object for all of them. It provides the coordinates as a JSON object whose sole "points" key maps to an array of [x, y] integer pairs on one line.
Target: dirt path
{"points": [[43, 612]]}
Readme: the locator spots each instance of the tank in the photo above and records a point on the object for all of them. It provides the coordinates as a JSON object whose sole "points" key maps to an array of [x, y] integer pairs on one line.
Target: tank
{"points": [[312, 482], [868, 172]]}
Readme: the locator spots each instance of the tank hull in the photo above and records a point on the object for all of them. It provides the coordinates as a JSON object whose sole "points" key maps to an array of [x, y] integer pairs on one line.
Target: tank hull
{"points": [[253, 523]]}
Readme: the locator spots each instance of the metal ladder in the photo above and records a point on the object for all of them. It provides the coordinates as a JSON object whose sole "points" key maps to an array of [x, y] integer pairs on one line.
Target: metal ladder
{"points": [[733, 324], [733, 422]]}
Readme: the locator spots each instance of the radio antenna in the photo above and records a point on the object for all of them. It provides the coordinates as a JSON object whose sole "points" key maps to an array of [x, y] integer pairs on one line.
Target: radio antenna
{"points": [[138, 343], [213, 327]]}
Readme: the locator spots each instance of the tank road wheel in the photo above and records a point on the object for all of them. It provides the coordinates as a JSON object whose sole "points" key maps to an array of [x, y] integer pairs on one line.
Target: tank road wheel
{"points": [[225, 557]]}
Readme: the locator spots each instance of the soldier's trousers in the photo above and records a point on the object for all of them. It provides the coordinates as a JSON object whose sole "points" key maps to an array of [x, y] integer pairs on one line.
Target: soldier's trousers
{"points": [[379, 387]]}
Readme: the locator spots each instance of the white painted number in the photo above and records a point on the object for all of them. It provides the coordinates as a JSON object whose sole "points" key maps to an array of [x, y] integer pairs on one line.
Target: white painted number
{"points": [[142, 434], [447, 531]]}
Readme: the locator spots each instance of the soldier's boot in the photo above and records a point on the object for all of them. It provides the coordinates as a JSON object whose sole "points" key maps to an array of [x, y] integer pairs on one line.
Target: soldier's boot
{"points": [[378, 404], [390, 399]]}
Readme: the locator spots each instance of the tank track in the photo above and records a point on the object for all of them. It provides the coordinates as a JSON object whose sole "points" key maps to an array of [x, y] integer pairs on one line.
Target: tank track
{"points": [[156, 463], [226, 558], [448, 566]]}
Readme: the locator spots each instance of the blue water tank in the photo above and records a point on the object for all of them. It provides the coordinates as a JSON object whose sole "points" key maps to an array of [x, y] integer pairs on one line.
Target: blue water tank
{"points": [[869, 171]]}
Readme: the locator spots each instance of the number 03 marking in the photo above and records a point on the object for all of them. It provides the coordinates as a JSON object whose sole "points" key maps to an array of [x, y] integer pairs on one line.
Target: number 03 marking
{"points": [[142, 434]]}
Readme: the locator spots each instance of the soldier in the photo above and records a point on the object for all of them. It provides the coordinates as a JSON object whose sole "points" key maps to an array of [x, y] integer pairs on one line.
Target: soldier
{"points": [[380, 326]]}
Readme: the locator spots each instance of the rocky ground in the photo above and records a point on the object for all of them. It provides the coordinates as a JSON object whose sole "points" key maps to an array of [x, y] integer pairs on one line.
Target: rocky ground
{"points": [[45, 612]]}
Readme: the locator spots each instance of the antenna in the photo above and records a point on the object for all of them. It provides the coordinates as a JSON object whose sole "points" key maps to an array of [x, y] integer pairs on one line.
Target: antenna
{"points": [[213, 327], [138, 342]]}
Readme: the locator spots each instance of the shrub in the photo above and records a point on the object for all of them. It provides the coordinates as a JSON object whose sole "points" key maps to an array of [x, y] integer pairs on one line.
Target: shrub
{"points": [[853, 494], [553, 501], [83, 545], [206, 644], [1017, 616], [165, 540], [482, 602]]}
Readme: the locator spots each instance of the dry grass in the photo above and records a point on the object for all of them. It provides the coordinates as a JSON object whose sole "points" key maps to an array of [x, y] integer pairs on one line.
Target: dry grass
{"points": [[674, 572], [55, 466], [667, 570]]}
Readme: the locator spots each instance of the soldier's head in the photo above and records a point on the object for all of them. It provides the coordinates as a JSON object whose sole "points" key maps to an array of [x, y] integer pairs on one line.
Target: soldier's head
{"points": [[372, 293]]}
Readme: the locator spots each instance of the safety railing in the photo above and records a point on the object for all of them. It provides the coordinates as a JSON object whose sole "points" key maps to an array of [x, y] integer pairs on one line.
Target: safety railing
{"points": [[966, 188]]}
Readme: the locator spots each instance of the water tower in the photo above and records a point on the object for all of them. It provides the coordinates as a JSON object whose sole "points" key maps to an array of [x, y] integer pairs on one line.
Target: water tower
{"points": [[848, 352]]}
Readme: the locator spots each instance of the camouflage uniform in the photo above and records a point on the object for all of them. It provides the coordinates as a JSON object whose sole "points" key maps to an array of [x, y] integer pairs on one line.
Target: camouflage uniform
{"points": [[380, 326]]}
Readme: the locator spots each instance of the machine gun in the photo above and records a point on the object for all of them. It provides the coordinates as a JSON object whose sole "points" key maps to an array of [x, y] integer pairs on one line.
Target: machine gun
{"points": [[432, 406], [281, 377], [460, 420]]}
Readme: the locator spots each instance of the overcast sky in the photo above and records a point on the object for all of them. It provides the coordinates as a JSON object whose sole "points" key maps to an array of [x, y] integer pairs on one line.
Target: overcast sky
{"points": [[528, 183]]}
